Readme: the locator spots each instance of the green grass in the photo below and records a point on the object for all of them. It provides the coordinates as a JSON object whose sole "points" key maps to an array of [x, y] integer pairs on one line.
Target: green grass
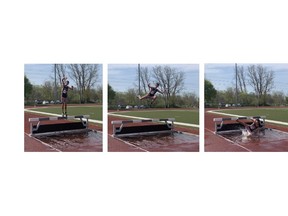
{"points": [[95, 112], [276, 114], [185, 116]]}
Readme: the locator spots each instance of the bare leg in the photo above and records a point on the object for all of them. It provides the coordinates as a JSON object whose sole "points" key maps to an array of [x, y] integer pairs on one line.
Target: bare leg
{"points": [[144, 97], [153, 99], [66, 109], [63, 107]]}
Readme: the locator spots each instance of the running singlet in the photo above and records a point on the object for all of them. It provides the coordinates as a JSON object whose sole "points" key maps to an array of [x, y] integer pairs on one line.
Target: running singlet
{"points": [[153, 91], [64, 91]]}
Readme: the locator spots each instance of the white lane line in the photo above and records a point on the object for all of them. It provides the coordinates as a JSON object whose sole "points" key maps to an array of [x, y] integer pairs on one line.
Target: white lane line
{"points": [[53, 114], [234, 143], [43, 143], [128, 143]]}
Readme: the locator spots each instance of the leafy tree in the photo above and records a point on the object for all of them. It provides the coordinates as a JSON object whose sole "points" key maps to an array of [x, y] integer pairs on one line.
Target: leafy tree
{"points": [[210, 92], [28, 88], [47, 90], [111, 95]]}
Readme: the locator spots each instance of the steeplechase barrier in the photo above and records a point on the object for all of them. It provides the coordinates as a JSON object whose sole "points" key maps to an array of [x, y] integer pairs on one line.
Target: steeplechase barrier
{"points": [[120, 128], [38, 129], [228, 125]]}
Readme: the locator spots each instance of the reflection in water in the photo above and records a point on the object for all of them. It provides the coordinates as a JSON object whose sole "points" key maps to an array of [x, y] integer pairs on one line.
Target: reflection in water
{"points": [[87, 141]]}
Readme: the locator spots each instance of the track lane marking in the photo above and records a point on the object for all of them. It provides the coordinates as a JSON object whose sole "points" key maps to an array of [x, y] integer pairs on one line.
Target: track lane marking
{"points": [[43, 143], [128, 143], [229, 140]]}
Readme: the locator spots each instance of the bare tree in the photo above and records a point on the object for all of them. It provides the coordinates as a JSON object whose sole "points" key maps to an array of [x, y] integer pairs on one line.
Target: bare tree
{"points": [[60, 70], [261, 80], [85, 76], [241, 80], [145, 77], [171, 80]]}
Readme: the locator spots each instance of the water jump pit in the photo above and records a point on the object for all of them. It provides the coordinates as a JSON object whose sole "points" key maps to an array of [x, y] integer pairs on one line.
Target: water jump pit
{"points": [[62, 135], [85, 141], [269, 136], [154, 135], [186, 142], [267, 139]]}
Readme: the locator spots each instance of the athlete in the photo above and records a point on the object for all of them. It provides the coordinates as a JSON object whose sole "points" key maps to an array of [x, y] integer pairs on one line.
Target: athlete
{"points": [[152, 93], [254, 128], [65, 88]]}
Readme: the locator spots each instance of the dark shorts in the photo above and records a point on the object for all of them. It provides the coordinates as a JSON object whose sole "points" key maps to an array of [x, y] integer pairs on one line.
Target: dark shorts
{"points": [[151, 95], [64, 95]]}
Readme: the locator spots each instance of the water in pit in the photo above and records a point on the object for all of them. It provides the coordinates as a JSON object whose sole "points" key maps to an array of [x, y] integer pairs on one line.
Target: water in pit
{"points": [[77, 142], [270, 136], [166, 142]]}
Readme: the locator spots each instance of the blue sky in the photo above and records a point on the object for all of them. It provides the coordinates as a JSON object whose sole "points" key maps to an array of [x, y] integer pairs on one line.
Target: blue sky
{"points": [[39, 73], [222, 76], [124, 76]]}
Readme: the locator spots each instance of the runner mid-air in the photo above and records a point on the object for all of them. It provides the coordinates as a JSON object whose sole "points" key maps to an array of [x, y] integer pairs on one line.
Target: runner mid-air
{"points": [[152, 93]]}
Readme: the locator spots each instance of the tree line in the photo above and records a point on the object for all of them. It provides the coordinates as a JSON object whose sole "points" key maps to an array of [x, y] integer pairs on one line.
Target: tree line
{"points": [[84, 76], [171, 83], [261, 81]]}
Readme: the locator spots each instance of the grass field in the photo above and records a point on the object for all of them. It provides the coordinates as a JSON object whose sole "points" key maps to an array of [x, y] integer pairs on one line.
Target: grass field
{"points": [[95, 112], [276, 114], [184, 116]]}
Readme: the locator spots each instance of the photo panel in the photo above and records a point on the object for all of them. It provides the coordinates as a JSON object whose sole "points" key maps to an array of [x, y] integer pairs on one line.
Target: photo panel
{"points": [[63, 108], [246, 107], [153, 107]]}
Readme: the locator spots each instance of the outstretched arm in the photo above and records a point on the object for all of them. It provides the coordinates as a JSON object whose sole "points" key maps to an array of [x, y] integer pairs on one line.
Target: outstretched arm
{"points": [[63, 81], [161, 92], [243, 123]]}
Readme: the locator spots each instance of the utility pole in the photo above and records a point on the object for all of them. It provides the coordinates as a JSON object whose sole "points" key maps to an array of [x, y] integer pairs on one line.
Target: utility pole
{"points": [[139, 78], [236, 71], [55, 85], [139, 84]]}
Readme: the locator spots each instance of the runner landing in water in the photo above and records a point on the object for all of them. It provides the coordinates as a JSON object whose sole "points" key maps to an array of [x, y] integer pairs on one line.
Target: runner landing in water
{"points": [[254, 128]]}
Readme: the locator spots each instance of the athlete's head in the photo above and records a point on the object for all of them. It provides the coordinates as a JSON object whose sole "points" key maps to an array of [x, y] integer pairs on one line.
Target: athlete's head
{"points": [[261, 121], [67, 82], [157, 84]]}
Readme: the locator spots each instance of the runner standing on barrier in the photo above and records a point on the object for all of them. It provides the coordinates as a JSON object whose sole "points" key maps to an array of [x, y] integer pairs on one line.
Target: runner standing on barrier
{"points": [[152, 93], [252, 128], [65, 88]]}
